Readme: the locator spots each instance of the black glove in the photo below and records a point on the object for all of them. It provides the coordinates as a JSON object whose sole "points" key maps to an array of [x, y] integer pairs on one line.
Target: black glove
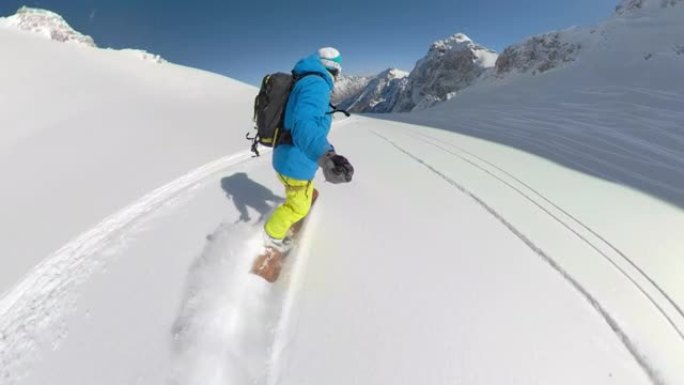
{"points": [[336, 168]]}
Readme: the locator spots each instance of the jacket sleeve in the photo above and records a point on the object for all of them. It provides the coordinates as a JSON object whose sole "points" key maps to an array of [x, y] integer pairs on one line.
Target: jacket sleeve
{"points": [[311, 126]]}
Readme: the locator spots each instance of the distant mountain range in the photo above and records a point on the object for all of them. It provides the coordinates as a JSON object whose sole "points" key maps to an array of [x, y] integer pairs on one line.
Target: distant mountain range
{"points": [[456, 63], [450, 65]]}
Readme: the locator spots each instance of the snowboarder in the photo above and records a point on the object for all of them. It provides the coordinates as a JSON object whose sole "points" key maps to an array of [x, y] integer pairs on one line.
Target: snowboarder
{"points": [[307, 120]]}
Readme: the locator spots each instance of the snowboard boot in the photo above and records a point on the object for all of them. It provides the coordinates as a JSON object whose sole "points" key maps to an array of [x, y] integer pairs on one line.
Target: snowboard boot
{"points": [[269, 264]]}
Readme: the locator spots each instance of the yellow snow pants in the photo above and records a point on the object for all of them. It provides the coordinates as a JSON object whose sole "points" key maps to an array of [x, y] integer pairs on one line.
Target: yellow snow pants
{"points": [[298, 195]]}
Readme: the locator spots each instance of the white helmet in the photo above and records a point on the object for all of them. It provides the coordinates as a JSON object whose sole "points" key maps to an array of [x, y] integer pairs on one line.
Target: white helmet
{"points": [[331, 60]]}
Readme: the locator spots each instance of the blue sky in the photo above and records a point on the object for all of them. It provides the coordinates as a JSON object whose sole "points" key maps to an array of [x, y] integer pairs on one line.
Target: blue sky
{"points": [[245, 39]]}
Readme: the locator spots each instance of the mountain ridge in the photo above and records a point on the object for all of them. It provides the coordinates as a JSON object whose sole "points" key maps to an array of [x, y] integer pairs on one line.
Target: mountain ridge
{"points": [[52, 26]]}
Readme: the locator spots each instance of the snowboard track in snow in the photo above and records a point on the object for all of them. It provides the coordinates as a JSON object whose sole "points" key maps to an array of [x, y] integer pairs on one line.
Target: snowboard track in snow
{"points": [[228, 317], [34, 311], [638, 271], [605, 315]]}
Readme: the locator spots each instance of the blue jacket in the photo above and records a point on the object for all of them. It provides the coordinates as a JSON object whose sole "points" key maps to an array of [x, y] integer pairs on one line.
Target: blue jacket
{"points": [[308, 119]]}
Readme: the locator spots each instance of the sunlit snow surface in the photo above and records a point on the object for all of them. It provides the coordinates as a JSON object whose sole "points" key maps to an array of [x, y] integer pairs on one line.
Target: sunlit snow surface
{"points": [[527, 231]]}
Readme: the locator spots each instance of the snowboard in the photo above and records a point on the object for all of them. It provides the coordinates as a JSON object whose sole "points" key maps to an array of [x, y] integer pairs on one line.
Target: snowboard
{"points": [[269, 264]]}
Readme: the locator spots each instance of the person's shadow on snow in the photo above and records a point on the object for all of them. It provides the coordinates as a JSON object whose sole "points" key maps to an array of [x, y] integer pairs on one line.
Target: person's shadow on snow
{"points": [[247, 193]]}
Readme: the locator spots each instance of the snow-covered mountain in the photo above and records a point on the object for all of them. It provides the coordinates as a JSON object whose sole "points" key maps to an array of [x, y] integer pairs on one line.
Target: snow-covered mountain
{"points": [[347, 86], [538, 54], [449, 66], [47, 24], [628, 6], [52, 26], [457, 63], [378, 94], [551, 50]]}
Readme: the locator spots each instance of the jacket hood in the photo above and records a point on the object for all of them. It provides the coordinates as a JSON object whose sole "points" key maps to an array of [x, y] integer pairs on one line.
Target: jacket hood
{"points": [[310, 64]]}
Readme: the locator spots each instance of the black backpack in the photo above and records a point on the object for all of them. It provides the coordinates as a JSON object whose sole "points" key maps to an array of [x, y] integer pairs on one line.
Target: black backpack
{"points": [[269, 107]]}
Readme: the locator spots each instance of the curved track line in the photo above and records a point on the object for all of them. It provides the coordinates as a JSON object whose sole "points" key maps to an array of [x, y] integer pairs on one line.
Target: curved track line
{"points": [[612, 322], [33, 311], [579, 222], [613, 263]]}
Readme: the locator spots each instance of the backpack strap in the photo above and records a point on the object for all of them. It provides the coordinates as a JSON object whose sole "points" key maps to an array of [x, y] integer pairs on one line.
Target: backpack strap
{"points": [[335, 109], [297, 77], [285, 136]]}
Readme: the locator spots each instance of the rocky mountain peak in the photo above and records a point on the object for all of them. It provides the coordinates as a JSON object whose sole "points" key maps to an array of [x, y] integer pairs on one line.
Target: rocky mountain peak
{"points": [[46, 23], [631, 6]]}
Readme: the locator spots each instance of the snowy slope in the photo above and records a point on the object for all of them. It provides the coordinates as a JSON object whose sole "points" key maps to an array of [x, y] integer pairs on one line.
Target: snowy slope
{"points": [[95, 130], [440, 306], [615, 108], [548, 250], [614, 115]]}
